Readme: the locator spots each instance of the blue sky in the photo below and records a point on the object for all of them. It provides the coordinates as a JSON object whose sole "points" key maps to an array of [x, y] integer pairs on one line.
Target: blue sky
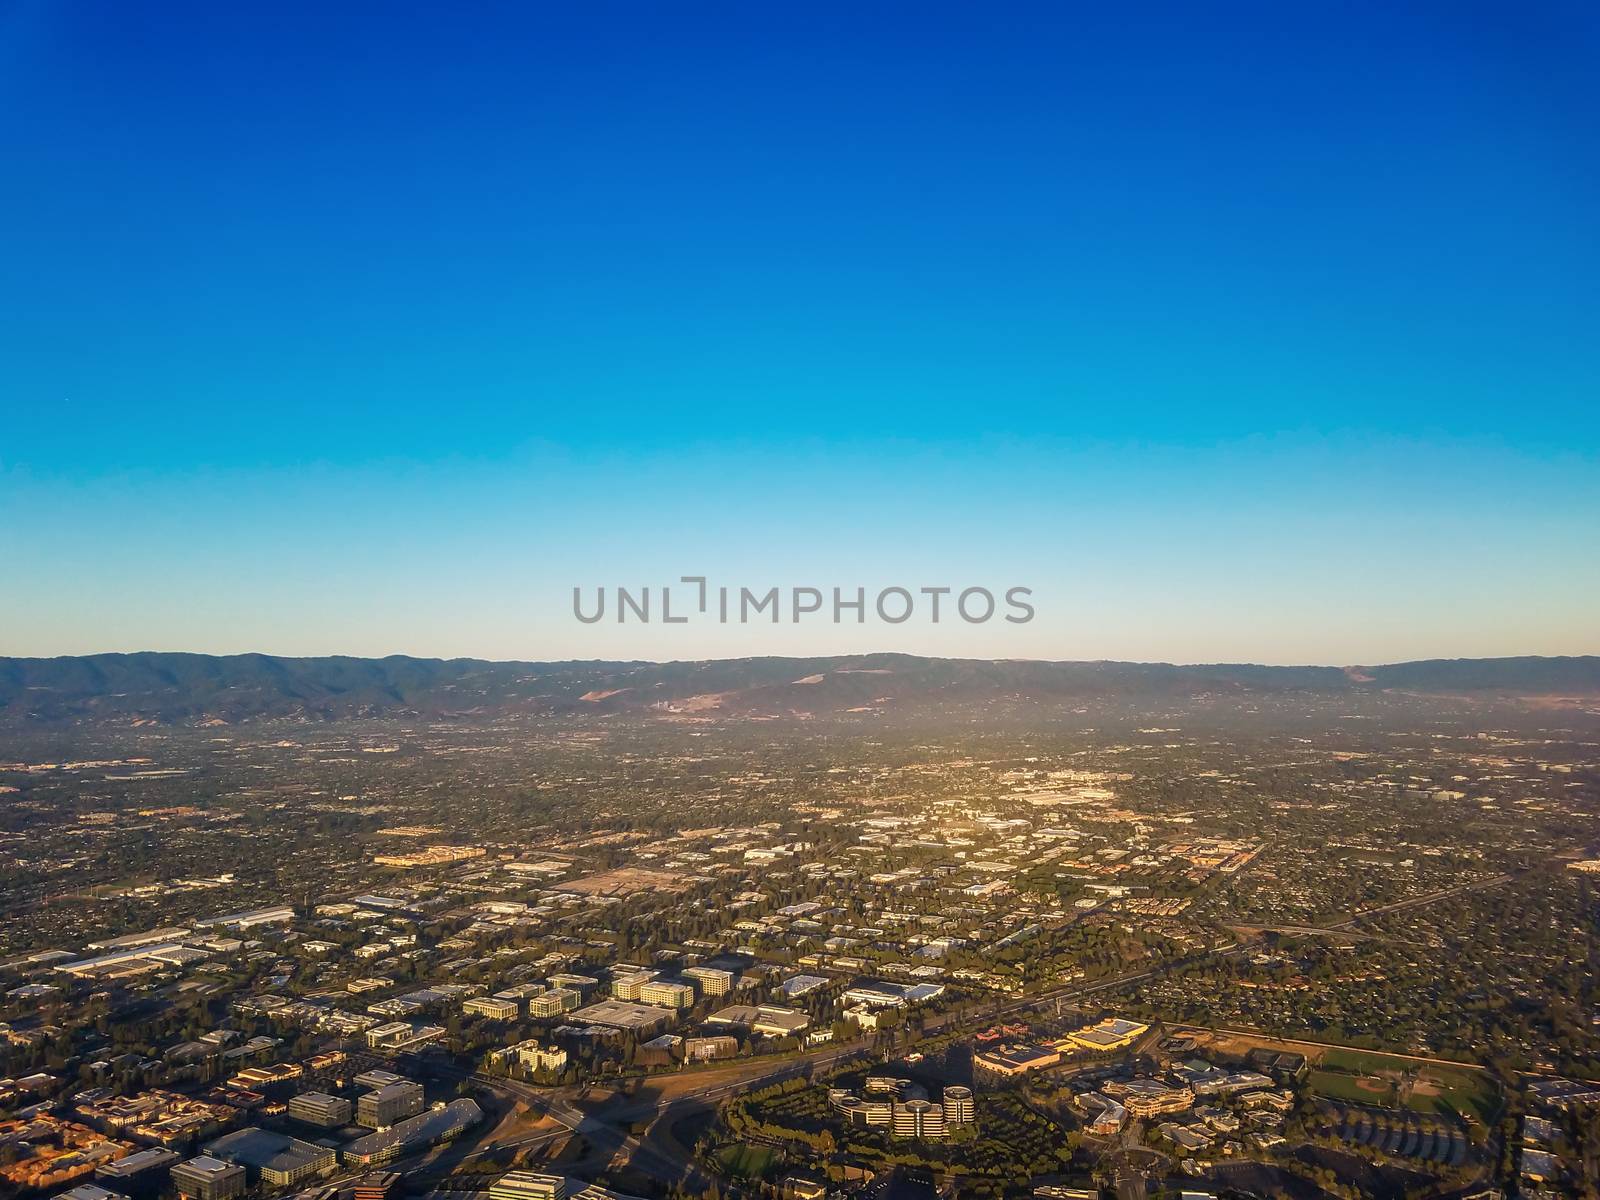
{"points": [[1256, 332]]}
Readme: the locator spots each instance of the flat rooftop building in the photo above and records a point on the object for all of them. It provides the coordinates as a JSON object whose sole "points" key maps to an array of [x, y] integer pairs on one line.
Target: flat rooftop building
{"points": [[280, 914], [528, 1185], [414, 1133], [207, 1178], [379, 1185], [1016, 1060], [132, 1171], [1113, 1033], [88, 1191], [774, 1021], [667, 994], [619, 1014], [320, 1109], [278, 1159], [554, 1002], [711, 980], [625, 985], [390, 1104], [799, 985], [495, 1010], [378, 1078]]}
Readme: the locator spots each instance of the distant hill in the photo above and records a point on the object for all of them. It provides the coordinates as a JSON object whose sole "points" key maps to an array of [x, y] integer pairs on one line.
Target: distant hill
{"points": [[163, 688]]}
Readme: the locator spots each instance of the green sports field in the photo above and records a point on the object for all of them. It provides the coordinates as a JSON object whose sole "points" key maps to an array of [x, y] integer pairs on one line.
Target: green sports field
{"points": [[1366, 1077], [746, 1161]]}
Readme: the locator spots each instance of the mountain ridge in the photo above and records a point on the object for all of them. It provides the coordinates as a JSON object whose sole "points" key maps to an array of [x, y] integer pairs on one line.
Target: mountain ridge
{"points": [[175, 687]]}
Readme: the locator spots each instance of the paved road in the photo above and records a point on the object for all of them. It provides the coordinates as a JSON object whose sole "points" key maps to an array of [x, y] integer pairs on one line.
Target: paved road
{"points": [[1431, 898], [610, 1142], [1348, 927], [1127, 1173], [603, 1126], [1261, 1036], [1350, 935]]}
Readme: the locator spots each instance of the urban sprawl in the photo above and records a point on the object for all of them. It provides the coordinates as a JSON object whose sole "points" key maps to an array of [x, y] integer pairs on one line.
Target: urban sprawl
{"points": [[1200, 950]]}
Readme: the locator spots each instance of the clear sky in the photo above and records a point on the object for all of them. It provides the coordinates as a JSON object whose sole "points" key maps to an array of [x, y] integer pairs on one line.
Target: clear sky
{"points": [[1236, 332]]}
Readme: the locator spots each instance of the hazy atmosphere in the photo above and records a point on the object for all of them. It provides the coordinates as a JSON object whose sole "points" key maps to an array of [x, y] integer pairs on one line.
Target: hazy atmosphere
{"points": [[1264, 334], [870, 601]]}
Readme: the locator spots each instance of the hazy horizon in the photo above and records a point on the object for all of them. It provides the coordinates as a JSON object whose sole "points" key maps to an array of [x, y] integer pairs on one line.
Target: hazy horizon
{"points": [[1345, 666]]}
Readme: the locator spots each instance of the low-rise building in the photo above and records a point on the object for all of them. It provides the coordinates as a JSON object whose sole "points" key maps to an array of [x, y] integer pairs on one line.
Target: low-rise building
{"points": [[494, 1010], [276, 1159], [1109, 1120], [400, 1036], [705, 1049], [667, 993], [1013, 1060], [320, 1109], [1113, 1033], [774, 1021], [553, 1002], [90, 1191], [904, 1109], [141, 1173], [642, 1020], [528, 1185], [389, 1104], [711, 980], [535, 1055], [208, 1178], [625, 985], [414, 1133]]}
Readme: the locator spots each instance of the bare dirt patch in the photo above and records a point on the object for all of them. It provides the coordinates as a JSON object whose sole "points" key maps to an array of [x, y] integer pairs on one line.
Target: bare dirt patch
{"points": [[625, 881]]}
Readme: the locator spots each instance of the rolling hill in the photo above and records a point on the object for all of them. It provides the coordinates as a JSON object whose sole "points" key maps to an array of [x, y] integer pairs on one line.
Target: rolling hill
{"points": [[175, 688]]}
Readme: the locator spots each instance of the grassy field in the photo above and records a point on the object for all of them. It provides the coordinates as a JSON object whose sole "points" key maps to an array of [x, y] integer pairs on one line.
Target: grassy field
{"points": [[1363, 1062], [1357, 1089], [1470, 1093], [746, 1161], [1346, 1074], [1338, 1073]]}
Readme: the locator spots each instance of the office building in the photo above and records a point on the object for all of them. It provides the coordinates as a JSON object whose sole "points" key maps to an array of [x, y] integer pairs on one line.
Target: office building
{"points": [[959, 1109], [390, 1104], [908, 1113], [1113, 1033], [1012, 1060], [704, 1049], [139, 1174], [710, 980], [276, 1159], [626, 985], [207, 1178], [772, 1020], [584, 985], [279, 915], [378, 1078], [553, 1003], [320, 1109], [495, 1010], [642, 1020], [538, 1057], [528, 1185], [413, 1134], [667, 994]]}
